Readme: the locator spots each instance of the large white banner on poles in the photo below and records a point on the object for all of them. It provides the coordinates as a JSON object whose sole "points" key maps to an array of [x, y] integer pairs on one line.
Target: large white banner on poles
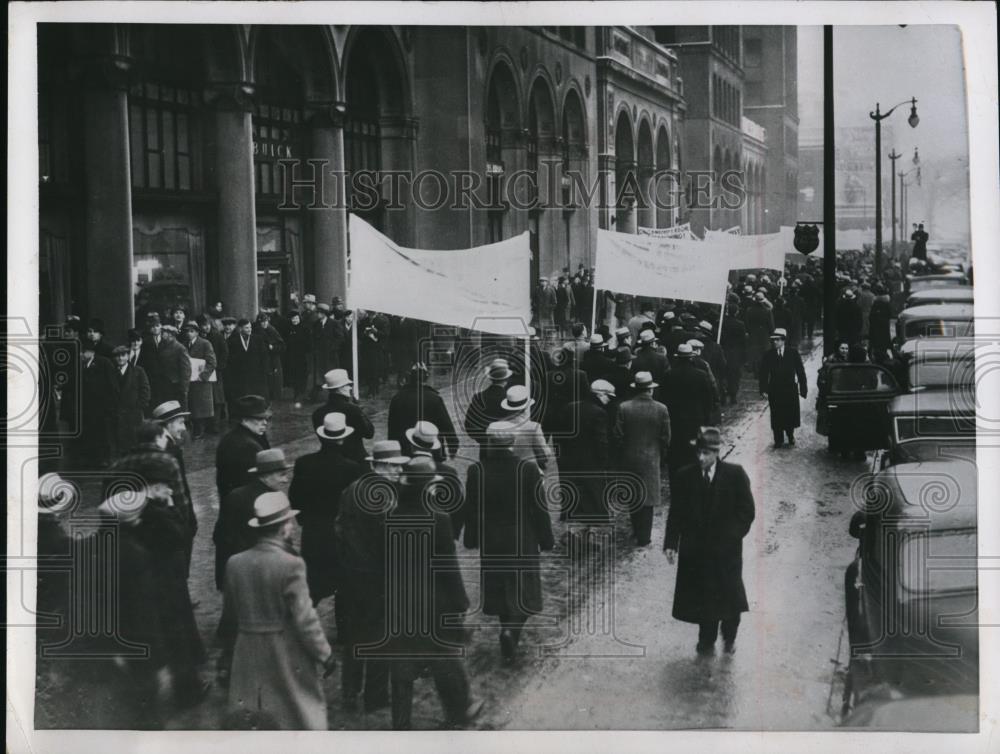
{"points": [[659, 267], [486, 288], [750, 252]]}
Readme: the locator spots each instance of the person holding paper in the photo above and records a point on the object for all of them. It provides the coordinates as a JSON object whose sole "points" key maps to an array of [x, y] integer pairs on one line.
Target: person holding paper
{"points": [[201, 400]]}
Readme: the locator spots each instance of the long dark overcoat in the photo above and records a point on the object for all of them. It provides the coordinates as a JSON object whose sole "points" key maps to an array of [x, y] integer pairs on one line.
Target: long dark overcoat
{"points": [[130, 406], [355, 417], [706, 526], [778, 378], [319, 480], [232, 533], [236, 452], [507, 520], [642, 436], [585, 456], [419, 402], [689, 397], [248, 368], [168, 368]]}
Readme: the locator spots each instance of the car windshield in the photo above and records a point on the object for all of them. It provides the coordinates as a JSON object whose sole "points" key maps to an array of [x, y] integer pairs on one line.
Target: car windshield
{"points": [[938, 562], [910, 428], [860, 379], [939, 328]]}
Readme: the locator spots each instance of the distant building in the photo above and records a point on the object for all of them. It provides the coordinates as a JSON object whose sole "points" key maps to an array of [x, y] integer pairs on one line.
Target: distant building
{"points": [[754, 176], [770, 64]]}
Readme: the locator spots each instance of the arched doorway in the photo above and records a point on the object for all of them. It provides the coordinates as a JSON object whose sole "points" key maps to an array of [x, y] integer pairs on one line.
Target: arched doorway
{"points": [[503, 125], [666, 187], [646, 211], [625, 178], [574, 159], [539, 148]]}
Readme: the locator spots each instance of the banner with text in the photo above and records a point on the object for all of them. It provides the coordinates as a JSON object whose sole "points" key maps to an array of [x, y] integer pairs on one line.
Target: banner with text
{"points": [[485, 288]]}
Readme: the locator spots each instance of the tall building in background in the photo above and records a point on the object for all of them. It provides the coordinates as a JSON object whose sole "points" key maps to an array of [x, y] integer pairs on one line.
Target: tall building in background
{"points": [[770, 65], [711, 65]]}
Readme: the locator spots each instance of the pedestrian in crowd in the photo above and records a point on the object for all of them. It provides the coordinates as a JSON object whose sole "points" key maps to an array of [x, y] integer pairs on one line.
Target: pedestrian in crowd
{"points": [[673, 339], [585, 299], [201, 399], [317, 484], [95, 334], [713, 354], [565, 384], [585, 457], [879, 325], [541, 364], [338, 387], [782, 380], [131, 400], [920, 237], [239, 447], [581, 341], [275, 346], [417, 401], [529, 442], [166, 364], [134, 338], [166, 531], [848, 317], [546, 296], [325, 345], [509, 524], [619, 374], [423, 439], [646, 314], [138, 688], [734, 348], [249, 363], [370, 359], [642, 435], [428, 599], [296, 356], [220, 348], [865, 301], [360, 541], [711, 511], [280, 651], [595, 360], [649, 358], [699, 361], [97, 407], [172, 417], [759, 322], [344, 321], [178, 317], [688, 394], [485, 408]]}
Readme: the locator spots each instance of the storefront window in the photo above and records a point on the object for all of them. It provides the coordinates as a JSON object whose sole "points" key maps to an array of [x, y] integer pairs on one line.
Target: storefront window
{"points": [[161, 121], [275, 137], [168, 264]]}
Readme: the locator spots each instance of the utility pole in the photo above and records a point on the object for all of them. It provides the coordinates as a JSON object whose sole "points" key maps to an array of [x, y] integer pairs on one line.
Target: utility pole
{"points": [[829, 197], [892, 175]]}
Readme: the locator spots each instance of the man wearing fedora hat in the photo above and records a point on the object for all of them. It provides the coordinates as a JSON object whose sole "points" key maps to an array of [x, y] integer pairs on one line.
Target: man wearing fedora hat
{"points": [[485, 406], [734, 349], [338, 385], [642, 435], [97, 407], [423, 440], [239, 447], [359, 533], [849, 317], [167, 364], [249, 364], [697, 349], [595, 362], [172, 417], [760, 324], [417, 401], [649, 358], [317, 484], [711, 510], [201, 400], [782, 380], [529, 440], [585, 452], [691, 401], [279, 648], [425, 633]]}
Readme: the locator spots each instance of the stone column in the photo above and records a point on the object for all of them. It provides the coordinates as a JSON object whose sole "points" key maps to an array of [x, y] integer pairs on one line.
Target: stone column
{"points": [[398, 140], [236, 221], [329, 222], [108, 201]]}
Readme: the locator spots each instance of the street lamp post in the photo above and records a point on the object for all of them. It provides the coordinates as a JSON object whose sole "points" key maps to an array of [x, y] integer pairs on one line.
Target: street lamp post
{"points": [[892, 174], [904, 194], [878, 117]]}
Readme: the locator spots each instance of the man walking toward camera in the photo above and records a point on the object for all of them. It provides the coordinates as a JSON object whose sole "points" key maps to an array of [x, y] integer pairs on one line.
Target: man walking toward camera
{"points": [[711, 510]]}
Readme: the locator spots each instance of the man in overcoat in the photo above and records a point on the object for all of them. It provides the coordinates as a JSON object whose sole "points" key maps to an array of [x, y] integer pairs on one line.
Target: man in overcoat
{"points": [[172, 416], [97, 406], [419, 637], [238, 448], [734, 348], [131, 399], [249, 363], [417, 401], [508, 522], [849, 317], [317, 484], [585, 452], [759, 323], [166, 364], [782, 381], [688, 393], [642, 435], [280, 651], [711, 510], [649, 358], [220, 348], [338, 387], [201, 401], [485, 408]]}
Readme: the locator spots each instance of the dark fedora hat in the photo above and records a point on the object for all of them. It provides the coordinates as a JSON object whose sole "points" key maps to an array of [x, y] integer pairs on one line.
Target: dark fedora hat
{"points": [[252, 407], [709, 438]]}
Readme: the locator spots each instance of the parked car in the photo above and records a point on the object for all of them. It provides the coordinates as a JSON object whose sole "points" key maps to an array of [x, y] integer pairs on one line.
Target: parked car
{"points": [[887, 710], [931, 425], [911, 591], [852, 405], [916, 283], [957, 294], [935, 321], [938, 363]]}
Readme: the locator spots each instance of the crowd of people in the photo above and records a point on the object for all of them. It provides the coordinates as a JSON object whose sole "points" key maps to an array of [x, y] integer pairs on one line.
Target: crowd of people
{"points": [[611, 409]]}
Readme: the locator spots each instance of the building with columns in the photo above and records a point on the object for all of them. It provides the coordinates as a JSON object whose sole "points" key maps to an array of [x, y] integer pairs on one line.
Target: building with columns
{"points": [[770, 64], [174, 186], [754, 145]]}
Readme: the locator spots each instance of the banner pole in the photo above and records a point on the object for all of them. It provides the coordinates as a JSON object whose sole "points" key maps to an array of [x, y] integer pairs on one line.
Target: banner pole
{"points": [[593, 311], [527, 365], [354, 354]]}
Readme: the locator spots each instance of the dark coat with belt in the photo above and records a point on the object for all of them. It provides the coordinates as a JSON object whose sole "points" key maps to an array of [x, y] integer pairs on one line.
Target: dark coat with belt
{"points": [[131, 405], [168, 368], [319, 480], [248, 367], [706, 526], [420, 402], [778, 378], [236, 452], [354, 416], [232, 533], [509, 524], [585, 456]]}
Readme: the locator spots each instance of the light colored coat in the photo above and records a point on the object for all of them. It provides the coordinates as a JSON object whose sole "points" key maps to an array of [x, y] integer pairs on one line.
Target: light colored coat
{"points": [[280, 648], [529, 441], [642, 435]]}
